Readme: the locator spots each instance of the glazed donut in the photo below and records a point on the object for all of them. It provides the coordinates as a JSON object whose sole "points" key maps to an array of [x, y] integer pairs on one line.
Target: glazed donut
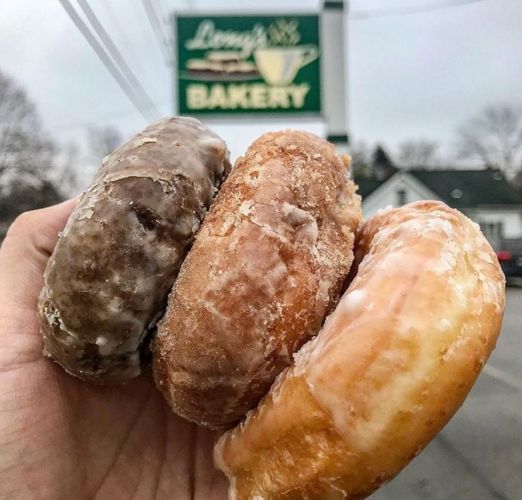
{"points": [[266, 267], [392, 364], [107, 281]]}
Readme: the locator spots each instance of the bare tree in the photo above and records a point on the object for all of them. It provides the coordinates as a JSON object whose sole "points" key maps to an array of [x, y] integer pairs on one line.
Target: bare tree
{"points": [[103, 141], [517, 181], [67, 170], [361, 155], [27, 156], [494, 137], [24, 148], [418, 153], [382, 164]]}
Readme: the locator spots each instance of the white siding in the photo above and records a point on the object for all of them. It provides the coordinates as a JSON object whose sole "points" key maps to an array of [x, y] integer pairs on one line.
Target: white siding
{"points": [[389, 193], [511, 219]]}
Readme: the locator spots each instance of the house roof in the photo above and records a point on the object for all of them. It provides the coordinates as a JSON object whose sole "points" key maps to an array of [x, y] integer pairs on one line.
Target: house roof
{"points": [[366, 185], [458, 188], [469, 188]]}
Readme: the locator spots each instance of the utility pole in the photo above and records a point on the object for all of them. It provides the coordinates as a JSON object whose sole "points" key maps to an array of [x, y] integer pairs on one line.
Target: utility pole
{"points": [[335, 86]]}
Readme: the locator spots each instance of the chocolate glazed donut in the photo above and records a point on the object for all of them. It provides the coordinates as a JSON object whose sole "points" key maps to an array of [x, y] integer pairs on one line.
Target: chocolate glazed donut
{"points": [[107, 281]]}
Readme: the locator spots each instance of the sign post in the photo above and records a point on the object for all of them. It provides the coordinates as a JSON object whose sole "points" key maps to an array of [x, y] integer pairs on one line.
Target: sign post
{"points": [[256, 65], [334, 74]]}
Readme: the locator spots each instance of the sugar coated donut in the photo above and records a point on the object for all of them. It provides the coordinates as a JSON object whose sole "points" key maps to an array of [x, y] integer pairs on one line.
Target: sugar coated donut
{"points": [[266, 267]]}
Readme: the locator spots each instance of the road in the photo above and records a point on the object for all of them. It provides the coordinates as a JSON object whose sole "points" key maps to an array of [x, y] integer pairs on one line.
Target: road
{"points": [[478, 455]]}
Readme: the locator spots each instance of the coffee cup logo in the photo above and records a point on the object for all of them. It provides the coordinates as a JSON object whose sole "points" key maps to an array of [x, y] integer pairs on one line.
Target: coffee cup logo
{"points": [[279, 65]]}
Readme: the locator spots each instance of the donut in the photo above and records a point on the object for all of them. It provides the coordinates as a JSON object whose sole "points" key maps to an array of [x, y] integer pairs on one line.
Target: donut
{"points": [[265, 268], [107, 281], [392, 364]]}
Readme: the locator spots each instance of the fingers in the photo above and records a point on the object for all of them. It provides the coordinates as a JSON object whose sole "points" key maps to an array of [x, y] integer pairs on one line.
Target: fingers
{"points": [[24, 253], [209, 483]]}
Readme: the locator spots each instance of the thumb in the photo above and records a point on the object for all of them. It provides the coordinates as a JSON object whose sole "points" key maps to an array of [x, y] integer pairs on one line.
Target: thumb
{"points": [[24, 254]]}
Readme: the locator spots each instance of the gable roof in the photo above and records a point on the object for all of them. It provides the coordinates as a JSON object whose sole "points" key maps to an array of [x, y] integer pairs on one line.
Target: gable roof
{"points": [[458, 188], [469, 188], [366, 185]]}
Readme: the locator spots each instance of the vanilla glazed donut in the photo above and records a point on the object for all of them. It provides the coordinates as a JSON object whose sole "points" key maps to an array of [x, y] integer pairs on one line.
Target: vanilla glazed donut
{"points": [[266, 267], [107, 281], [393, 363]]}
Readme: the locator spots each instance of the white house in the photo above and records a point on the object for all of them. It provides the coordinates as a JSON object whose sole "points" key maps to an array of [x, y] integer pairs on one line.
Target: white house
{"points": [[483, 195]]}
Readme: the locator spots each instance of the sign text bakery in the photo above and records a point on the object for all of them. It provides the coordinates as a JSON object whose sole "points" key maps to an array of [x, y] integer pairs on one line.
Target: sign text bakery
{"points": [[248, 64]]}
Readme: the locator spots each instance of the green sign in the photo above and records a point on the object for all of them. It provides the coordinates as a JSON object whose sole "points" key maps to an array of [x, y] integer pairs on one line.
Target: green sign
{"points": [[230, 65]]}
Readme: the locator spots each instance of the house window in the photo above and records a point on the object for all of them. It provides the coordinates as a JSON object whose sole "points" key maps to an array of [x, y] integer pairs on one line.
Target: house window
{"points": [[485, 227], [492, 230], [499, 229], [401, 197]]}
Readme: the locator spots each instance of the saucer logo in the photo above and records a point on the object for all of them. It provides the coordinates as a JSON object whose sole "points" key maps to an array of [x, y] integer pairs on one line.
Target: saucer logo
{"points": [[261, 64]]}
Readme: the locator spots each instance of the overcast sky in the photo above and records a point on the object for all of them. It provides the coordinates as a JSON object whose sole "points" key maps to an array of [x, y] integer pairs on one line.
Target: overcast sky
{"points": [[409, 76]]}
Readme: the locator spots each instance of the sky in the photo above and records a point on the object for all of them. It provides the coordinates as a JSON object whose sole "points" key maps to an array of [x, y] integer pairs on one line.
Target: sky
{"points": [[409, 76]]}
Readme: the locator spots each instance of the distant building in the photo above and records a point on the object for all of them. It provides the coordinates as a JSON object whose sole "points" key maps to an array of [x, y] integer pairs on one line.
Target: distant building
{"points": [[483, 195]]}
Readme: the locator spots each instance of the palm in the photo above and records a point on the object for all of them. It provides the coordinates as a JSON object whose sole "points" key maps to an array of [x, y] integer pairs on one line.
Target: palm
{"points": [[63, 438]]}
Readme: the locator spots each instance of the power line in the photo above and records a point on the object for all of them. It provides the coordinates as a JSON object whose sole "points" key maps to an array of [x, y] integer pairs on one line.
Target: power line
{"points": [[167, 39], [115, 21], [153, 11], [402, 11], [105, 59], [118, 58], [158, 7]]}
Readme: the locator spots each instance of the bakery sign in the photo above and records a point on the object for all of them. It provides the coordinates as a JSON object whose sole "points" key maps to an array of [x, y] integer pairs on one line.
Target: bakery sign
{"points": [[230, 65]]}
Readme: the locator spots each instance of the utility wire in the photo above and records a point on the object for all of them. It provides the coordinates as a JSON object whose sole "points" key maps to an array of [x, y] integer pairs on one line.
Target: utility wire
{"points": [[118, 58], [106, 60], [158, 6], [153, 12], [165, 22], [155, 22], [115, 21], [402, 11]]}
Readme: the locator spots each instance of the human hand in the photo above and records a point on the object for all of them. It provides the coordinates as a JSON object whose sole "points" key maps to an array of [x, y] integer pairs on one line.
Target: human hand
{"points": [[64, 438]]}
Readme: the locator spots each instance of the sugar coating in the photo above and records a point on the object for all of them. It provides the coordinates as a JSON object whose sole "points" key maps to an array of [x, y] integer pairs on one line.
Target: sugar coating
{"points": [[265, 269]]}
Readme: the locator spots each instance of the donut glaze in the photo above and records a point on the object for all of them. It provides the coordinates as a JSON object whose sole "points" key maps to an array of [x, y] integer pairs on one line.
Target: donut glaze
{"points": [[266, 267], [107, 281], [393, 363]]}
